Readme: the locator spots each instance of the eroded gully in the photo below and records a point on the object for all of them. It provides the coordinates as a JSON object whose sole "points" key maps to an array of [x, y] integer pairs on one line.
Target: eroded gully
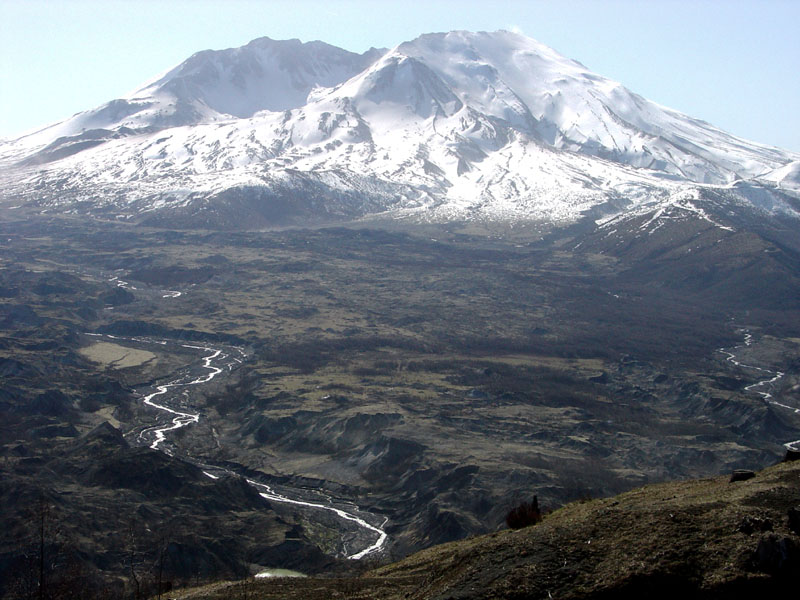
{"points": [[174, 399]]}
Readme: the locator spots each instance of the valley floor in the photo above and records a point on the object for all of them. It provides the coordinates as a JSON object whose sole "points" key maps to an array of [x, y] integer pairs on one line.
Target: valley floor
{"points": [[433, 381]]}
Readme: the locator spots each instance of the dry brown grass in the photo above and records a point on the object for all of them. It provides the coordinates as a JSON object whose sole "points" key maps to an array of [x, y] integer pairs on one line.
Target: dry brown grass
{"points": [[666, 538]]}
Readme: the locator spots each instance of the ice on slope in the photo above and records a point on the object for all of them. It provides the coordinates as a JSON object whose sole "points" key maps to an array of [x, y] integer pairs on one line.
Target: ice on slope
{"points": [[478, 125], [786, 177], [515, 78]]}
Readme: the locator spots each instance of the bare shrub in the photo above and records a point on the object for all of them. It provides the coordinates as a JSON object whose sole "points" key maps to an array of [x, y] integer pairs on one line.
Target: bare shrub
{"points": [[524, 515]]}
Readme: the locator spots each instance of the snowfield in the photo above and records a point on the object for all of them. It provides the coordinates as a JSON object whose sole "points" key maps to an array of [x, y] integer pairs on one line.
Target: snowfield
{"points": [[450, 126]]}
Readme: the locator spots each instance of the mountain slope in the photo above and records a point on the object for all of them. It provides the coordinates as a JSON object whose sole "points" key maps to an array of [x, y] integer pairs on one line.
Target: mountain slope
{"points": [[210, 86], [702, 539], [516, 79], [456, 126]]}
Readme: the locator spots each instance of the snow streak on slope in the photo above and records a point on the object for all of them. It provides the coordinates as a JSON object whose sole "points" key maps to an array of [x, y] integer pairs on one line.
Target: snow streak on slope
{"points": [[446, 127]]}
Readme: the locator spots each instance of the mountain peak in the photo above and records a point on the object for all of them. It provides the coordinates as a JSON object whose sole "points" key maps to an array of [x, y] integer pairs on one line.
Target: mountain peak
{"points": [[264, 74], [446, 126]]}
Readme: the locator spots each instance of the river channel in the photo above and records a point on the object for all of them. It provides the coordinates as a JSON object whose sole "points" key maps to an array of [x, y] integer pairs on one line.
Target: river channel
{"points": [[763, 387], [173, 399]]}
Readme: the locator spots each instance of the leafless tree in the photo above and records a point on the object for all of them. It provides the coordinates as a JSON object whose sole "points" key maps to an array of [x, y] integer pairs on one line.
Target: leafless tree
{"points": [[133, 559], [162, 547]]}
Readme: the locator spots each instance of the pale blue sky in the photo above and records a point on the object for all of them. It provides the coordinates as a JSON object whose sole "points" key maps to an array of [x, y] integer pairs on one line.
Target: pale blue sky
{"points": [[734, 63]]}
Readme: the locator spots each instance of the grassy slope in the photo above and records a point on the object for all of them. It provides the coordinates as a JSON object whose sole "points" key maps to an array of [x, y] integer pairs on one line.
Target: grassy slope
{"points": [[689, 538]]}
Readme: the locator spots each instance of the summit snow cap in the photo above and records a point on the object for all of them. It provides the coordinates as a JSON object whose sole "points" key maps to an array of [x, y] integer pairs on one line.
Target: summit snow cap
{"points": [[454, 125]]}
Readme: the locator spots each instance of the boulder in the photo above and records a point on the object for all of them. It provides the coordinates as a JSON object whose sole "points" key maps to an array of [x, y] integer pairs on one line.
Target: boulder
{"points": [[741, 475], [791, 455]]}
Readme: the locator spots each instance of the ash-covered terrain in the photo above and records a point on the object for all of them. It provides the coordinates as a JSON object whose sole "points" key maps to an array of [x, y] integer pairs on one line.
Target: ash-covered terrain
{"points": [[426, 386]]}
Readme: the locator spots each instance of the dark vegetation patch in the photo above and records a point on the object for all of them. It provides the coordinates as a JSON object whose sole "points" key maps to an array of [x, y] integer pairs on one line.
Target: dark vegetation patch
{"points": [[172, 276], [524, 515]]}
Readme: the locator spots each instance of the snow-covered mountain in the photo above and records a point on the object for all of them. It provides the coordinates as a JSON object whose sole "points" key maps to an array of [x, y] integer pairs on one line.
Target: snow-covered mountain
{"points": [[211, 86], [451, 126]]}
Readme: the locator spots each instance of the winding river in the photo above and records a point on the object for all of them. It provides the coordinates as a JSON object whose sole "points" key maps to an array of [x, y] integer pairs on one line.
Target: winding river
{"points": [[173, 398], [269, 494], [766, 384]]}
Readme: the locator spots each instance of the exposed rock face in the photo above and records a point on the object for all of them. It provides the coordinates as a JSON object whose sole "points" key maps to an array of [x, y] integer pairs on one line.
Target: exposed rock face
{"points": [[752, 524], [792, 455]]}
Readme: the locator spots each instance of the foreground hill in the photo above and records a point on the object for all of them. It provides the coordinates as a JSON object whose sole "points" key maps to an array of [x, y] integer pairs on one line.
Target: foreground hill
{"points": [[708, 538]]}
